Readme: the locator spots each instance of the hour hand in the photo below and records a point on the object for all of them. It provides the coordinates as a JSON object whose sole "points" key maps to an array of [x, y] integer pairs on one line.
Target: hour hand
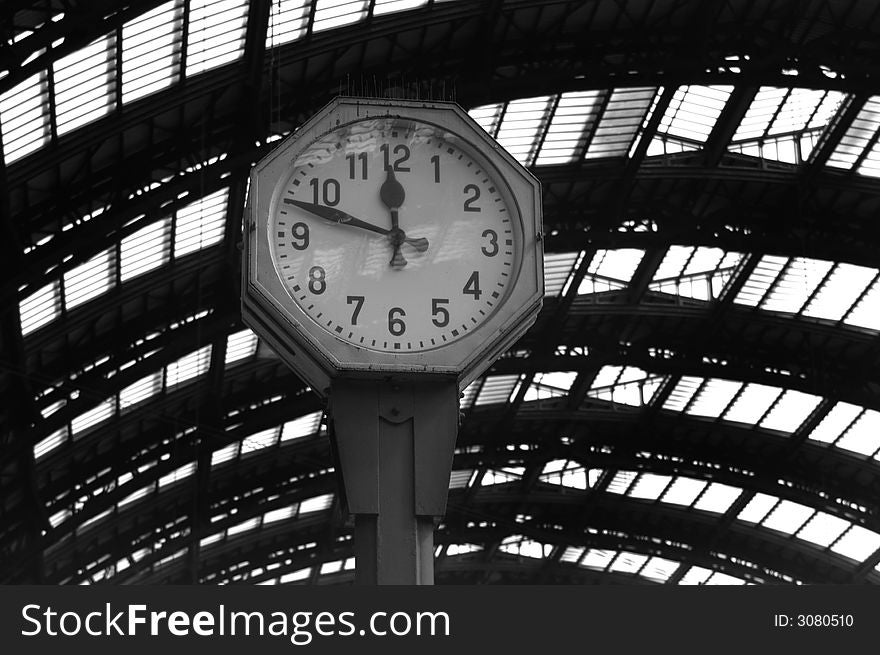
{"points": [[336, 216]]}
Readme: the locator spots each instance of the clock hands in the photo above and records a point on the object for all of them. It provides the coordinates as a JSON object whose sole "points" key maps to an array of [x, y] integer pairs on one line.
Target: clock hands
{"points": [[344, 218], [393, 195]]}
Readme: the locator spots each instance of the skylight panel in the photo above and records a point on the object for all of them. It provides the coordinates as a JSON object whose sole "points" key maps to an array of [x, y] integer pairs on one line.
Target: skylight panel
{"points": [[50, 443], [620, 122], [316, 504], [659, 569], [522, 125], [143, 389], [550, 385], [151, 46], [857, 543], [649, 486], [715, 395], [571, 554], [279, 514], [240, 345], [225, 454], [757, 119], [144, 250], [573, 119], [871, 163], [178, 474], [673, 263], [619, 264], [244, 526], [684, 491], [835, 422], [557, 269], [502, 476], [718, 498], [628, 562], [136, 495], [866, 313], [682, 394], [93, 417], [751, 404], [607, 376], [388, 6], [621, 482], [858, 136], [336, 13], [84, 84], [497, 389], [788, 517], [800, 110], [597, 559], [39, 308], [796, 285], [790, 411], [288, 21], [260, 440], [89, 280], [488, 117], [200, 224], [696, 575], [460, 479], [304, 426], [718, 578], [24, 117], [216, 33], [841, 290], [765, 273], [188, 367], [694, 110], [823, 529], [863, 436]]}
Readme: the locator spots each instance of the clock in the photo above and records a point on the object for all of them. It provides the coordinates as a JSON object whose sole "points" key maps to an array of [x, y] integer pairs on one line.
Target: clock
{"points": [[392, 237]]}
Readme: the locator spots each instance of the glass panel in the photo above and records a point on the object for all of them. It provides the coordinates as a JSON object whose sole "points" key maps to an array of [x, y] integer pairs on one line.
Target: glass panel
{"points": [[84, 84], [522, 125], [216, 33], [335, 13], [39, 308], [288, 21], [144, 250], [24, 116], [89, 280], [151, 46], [201, 223], [572, 121]]}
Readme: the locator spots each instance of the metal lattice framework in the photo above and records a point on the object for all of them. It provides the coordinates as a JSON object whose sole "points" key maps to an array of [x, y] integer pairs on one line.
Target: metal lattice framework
{"points": [[698, 402]]}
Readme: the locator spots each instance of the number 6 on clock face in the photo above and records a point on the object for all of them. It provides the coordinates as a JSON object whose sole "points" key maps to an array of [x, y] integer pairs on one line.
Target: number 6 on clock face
{"points": [[395, 235]]}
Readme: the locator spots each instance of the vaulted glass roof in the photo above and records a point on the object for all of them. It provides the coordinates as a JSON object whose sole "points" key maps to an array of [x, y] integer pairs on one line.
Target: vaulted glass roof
{"points": [[684, 335]]}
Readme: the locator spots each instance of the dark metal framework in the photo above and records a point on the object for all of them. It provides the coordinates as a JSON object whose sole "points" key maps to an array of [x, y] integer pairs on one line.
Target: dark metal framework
{"points": [[475, 53]]}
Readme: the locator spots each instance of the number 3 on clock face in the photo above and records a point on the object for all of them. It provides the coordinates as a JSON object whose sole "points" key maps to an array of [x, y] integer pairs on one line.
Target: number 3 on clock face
{"points": [[395, 235]]}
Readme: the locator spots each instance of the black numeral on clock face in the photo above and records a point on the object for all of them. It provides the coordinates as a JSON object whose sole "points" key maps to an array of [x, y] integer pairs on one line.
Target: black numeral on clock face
{"points": [[317, 280], [396, 326], [472, 286], [436, 161], [358, 302], [439, 314], [402, 153], [352, 167], [329, 191], [474, 192], [490, 249], [299, 232]]}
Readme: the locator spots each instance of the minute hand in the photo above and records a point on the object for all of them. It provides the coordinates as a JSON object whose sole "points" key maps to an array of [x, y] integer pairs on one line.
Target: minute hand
{"points": [[343, 218], [336, 215]]}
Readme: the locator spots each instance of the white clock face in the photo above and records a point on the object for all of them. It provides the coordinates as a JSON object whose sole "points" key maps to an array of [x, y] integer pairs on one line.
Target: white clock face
{"points": [[394, 235]]}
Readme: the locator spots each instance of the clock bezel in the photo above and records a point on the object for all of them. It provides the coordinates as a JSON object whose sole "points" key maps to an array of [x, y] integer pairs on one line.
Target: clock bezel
{"points": [[318, 355]]}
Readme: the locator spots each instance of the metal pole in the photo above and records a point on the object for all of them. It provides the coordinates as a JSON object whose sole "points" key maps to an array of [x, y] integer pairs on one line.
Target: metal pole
{"points": [[395, 442]]}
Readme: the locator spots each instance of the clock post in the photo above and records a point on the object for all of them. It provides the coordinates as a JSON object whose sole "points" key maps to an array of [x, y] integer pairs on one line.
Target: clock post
{"points": [[392, 253]]}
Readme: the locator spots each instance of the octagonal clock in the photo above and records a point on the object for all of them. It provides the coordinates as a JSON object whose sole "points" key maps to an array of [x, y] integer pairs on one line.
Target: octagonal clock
{"points": [[391, 238]]}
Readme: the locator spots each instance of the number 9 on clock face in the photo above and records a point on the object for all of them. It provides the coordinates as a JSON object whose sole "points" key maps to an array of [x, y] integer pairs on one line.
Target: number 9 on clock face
{"points": [[395, 235]]}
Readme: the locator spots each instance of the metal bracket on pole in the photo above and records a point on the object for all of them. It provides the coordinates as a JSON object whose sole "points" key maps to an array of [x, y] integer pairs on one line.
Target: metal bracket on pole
{"points": [[395, 442]]}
